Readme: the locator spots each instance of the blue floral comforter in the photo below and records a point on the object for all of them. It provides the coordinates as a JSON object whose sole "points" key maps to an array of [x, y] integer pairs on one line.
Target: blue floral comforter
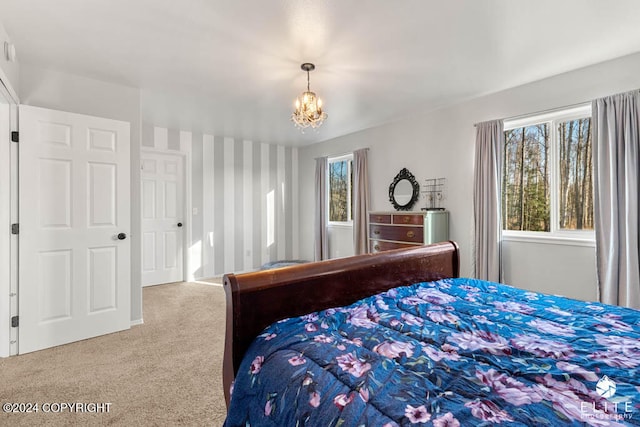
{"points": [[448, 353]]}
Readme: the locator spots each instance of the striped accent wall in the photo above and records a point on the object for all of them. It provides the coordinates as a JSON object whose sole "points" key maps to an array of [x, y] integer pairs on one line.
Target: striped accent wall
{"points": [[244, 200]]}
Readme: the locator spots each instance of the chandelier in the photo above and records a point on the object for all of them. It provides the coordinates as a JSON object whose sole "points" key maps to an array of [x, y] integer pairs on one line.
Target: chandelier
{"points": [[308, 111]]}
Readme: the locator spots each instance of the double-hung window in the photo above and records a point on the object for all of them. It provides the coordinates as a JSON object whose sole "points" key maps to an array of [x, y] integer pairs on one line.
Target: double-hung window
{"points": [[340, 190], [547, 176]]}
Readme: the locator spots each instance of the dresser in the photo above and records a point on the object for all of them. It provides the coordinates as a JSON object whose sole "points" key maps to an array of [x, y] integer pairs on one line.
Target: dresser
{"points": [[395, 230]]}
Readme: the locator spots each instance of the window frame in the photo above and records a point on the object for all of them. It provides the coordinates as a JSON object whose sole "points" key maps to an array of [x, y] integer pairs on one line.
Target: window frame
{"points": [[349, 159], [555, 235]]}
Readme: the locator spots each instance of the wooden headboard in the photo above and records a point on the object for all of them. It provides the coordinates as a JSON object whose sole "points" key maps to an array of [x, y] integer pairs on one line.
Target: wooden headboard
{"points": [[256, 300]]}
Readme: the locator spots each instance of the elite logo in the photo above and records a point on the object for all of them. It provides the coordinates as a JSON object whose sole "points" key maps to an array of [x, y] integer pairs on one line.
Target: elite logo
{"points": [[606, 387]]}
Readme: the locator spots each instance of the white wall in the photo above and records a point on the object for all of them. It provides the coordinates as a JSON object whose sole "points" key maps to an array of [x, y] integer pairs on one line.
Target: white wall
{"points": [[244, 205], [441, 144], [76, 94], [340, 241], [9, 71], [574, 264], [422, 146]]}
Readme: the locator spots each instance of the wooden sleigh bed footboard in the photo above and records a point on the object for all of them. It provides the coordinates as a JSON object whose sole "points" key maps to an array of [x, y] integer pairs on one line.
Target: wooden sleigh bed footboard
{"points": [[256, 300]]}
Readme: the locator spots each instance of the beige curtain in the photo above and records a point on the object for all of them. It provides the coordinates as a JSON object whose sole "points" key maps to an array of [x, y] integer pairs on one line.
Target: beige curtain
{"points": [[616, 164], [486, 200], [322, 210], [360, 201]]}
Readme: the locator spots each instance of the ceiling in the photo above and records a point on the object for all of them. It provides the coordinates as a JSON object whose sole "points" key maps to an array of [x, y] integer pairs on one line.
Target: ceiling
{"points": [[233, 67]]}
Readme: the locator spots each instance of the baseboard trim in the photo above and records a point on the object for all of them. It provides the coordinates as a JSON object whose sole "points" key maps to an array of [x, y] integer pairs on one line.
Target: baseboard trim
{"points": [[137, 322]]}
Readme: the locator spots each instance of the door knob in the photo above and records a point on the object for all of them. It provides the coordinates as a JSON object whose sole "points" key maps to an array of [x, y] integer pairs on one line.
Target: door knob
{"points": [[122, 236], [179, 224]]}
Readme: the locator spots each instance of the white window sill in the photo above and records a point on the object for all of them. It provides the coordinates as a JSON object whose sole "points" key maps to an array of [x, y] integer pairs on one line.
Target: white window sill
{"points": [[341, 225], [549, 239]]}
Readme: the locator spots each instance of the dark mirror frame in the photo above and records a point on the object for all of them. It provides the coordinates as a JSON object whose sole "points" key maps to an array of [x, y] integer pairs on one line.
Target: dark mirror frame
{"points": [[404, 174]]}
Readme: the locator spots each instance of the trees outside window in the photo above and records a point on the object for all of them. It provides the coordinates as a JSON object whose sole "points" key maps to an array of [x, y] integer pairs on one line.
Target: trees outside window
{"points": [[547, 181], [340, 189], [525, 184], [576, 175]]}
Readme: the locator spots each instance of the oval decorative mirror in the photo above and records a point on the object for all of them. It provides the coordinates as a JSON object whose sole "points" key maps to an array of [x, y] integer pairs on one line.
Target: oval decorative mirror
{"points": [[404, 191]]}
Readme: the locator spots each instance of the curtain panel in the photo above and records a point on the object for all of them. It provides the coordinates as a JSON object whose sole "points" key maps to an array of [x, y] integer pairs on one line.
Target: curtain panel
{"points": [[322, 211], [616, 142], [486, 201], [361, 199]]}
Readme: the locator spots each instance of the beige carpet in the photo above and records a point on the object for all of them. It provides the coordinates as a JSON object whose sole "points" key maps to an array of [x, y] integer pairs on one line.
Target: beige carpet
{"points": [[165, 372]]}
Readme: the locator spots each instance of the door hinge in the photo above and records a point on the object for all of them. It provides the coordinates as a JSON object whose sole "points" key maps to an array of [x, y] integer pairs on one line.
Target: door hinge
{"points": [[15, 228], [15, 136], [15, 321]]}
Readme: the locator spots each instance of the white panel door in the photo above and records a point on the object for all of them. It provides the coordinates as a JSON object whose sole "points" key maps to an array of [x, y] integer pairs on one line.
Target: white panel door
{"points": [[162, 180], [6, 167], [74, 266]]}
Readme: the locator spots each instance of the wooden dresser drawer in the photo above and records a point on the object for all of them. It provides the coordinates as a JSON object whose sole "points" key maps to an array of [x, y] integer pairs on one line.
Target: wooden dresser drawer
{"points": [[380, 218], [379, 245], [391, 232], [408, 219]]}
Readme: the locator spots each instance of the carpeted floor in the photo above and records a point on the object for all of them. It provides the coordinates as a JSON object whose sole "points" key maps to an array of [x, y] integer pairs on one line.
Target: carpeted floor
{"points": [[164, 372]]}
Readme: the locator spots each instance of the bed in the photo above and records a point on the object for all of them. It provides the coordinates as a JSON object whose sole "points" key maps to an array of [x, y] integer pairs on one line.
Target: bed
{"points": [[397, 338]]}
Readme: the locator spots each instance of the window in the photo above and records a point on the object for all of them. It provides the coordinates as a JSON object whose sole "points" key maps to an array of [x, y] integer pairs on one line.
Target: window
{"points": [[340, 189], [547, 181]]}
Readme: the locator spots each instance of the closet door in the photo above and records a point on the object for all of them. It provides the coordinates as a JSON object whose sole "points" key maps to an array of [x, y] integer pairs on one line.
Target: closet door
{"points": [[162, 180]]}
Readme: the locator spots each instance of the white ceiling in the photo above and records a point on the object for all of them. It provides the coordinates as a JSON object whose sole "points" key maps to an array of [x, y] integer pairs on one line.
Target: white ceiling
{"points": [[233, 67]]}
